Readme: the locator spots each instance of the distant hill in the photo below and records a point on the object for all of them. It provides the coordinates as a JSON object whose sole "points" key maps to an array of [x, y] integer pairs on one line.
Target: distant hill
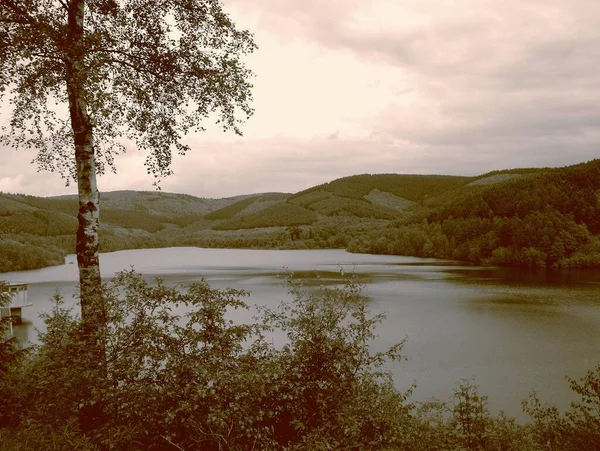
{"points": [[411, 187], [156, 203], [528, 216], [546, 217], [247, 205], [44, 227]]}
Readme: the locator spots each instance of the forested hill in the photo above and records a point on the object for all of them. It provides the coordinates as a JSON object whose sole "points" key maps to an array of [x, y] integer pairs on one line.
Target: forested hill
{"points": [[40, 231], [547, 218], [539, 217]]}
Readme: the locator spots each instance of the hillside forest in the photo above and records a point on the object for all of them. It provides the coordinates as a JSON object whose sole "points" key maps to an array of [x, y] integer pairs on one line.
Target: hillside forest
{"points": [[533, 217]]}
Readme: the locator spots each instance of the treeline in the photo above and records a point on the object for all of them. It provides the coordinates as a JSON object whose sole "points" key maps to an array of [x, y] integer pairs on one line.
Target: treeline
{"points": [[278, 215], [359, 208], [16, 256], [548, 217], [204, 382], [231, 210], [53, 217], [31, 238], [38, 232], [411, 187], [300, 211], [330, 233], [37, 222], [234, 240], [541, 220], [573, 191], [66, 206]]}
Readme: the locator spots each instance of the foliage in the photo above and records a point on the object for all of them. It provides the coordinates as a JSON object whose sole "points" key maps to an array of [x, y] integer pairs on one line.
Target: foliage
{"points": [[308, 197], [180, 374], [329, 389], [470, 417], [279, 215], [126, 73], [139, 81], [199, 381], [583, 420], [37, 223], [19, 217], [464, 423], [578, 428], [134, 219], [340, 206], [411, 187], [231, 210], [530, 221], [15, 256], [548, 219], [11, 356], [63, 205]]}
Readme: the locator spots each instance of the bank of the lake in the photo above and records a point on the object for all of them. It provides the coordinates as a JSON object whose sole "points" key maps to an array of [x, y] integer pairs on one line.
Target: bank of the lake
{"points": [[511, 330]]}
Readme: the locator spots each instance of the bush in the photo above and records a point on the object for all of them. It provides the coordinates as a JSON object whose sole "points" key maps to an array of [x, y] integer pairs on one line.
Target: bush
{"points": [[10, 357], [329, 389], [199, 381], [8, 345], [578, 428]]}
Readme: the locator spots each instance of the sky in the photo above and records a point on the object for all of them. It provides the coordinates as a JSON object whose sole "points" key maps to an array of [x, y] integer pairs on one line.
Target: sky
{"points": [[347, 87]]}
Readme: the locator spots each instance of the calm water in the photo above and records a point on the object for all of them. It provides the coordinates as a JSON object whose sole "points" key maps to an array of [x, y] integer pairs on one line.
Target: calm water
{"points": [[510, 330]]}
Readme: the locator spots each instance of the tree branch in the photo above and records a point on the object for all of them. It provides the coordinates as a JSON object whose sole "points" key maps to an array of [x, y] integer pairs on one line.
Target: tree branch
{"points": [[145, 63], [22, 17], [14, 21], [65, 4], [136, 68], [174, 444], [16, 9], [45, 55]]}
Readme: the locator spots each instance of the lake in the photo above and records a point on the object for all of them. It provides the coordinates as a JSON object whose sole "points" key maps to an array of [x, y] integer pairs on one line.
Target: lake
{"points": [[510, 330]]}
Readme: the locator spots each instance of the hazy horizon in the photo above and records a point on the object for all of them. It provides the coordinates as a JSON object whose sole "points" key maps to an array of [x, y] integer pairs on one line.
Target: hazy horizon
{"points": [[281, 192]]}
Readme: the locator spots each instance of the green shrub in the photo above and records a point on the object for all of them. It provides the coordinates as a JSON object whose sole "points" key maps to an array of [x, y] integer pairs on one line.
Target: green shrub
{"points": [[579, 428], [200, 381], [197, 380]]}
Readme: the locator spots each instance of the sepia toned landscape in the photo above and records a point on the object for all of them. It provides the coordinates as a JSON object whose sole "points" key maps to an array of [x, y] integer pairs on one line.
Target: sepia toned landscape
{"points": [[299, 225]]}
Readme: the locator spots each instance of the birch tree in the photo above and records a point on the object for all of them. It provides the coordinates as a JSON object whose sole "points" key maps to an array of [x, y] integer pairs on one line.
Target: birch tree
{"points": [[81, 79]]}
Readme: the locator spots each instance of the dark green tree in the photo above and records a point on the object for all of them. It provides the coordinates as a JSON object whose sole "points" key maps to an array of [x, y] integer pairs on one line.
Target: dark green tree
{"points": [[81, 78]]}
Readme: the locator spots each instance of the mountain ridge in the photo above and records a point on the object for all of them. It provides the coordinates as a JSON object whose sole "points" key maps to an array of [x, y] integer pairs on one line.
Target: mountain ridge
{"points": [[357, 212]]}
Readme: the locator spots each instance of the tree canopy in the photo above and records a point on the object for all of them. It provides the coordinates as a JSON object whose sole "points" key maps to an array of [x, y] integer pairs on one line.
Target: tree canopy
{"points": [[150, 75]]}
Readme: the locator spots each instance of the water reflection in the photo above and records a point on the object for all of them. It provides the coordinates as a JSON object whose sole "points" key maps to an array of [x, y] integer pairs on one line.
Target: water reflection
{"points": [[530, 276]]}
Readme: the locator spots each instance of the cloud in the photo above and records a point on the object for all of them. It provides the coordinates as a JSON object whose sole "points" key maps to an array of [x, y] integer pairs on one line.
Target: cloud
{"points": [[11, 184], [418, 86], [473, 71]]}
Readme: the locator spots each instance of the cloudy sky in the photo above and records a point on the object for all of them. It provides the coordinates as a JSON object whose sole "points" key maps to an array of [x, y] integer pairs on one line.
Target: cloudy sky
{"points": [[346, 87]]}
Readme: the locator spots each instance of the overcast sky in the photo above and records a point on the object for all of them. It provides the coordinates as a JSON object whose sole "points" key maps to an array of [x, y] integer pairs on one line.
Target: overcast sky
{"points": [[347, 87]]}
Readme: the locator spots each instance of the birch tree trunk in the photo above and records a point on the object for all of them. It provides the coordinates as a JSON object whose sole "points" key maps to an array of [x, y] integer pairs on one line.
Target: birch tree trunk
{"points": [[92, 310]]}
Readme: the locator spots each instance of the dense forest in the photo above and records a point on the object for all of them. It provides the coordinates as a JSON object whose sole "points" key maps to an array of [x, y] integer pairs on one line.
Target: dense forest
{"points": [[543, 219], [547, 217]]}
